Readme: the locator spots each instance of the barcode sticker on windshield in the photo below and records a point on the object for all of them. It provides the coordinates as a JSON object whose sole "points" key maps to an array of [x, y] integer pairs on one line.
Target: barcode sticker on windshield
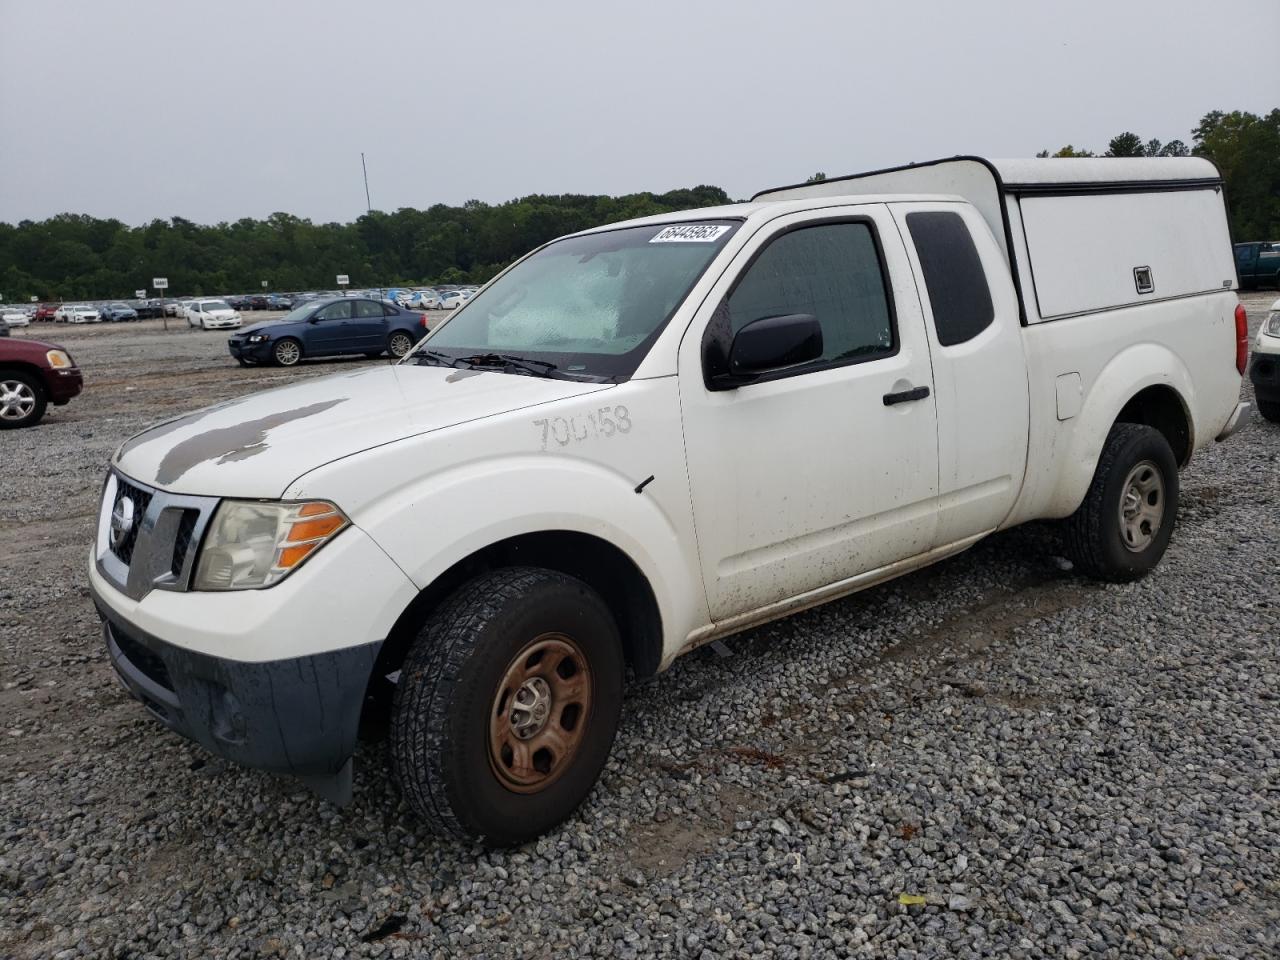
{"points": [[691, 233]]}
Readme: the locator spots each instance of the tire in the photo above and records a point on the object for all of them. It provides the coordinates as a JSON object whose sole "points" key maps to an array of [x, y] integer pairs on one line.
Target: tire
{"points": [[399, 343], [450, 755], [286, 352], [1270, 410], [22, 400], [1136, 477]]}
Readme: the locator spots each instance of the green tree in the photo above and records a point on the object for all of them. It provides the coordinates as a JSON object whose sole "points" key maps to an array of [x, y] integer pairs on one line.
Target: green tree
{"points": [[1246, 150], [1125, 145], [816, 177], [1067, 151]]}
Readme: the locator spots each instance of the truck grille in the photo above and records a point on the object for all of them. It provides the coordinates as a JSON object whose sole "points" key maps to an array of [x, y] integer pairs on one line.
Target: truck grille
{"points": [[141, 500], [158, 551]]}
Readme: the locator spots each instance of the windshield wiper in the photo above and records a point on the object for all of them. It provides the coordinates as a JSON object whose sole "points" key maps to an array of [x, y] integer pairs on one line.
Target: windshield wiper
{"points": [[539, 368], [433, 356]]}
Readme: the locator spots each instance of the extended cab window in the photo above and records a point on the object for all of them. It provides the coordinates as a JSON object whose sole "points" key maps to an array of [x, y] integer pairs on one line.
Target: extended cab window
{"points": [[831, 271], [953, 276]]}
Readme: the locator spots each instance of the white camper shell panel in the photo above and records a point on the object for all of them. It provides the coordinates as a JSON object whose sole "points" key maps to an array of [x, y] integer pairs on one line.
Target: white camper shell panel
{"points": [[1080, 226], [1101, 251]]}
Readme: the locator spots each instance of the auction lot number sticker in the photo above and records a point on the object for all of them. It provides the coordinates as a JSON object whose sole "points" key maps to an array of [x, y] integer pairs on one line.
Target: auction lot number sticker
{"points": [[691, 233]]}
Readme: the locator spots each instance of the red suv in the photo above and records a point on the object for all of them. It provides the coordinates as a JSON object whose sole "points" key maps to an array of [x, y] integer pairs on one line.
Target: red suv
{"points": [[45, 312], [34, 374]]}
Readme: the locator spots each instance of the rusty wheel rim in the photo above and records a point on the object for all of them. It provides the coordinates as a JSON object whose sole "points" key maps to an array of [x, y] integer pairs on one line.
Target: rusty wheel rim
{"points": [[539, 715]]}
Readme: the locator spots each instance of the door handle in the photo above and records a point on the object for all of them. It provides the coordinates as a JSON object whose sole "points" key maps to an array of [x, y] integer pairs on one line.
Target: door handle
{"points": [[906, 396]]}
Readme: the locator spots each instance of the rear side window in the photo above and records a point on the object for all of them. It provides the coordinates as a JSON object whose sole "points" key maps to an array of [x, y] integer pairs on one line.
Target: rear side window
{"points": [[367, 308], [953, 275]]}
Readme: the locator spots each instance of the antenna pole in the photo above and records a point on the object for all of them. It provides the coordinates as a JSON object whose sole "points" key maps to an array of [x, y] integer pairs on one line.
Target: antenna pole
{"points": [[367, 202]]}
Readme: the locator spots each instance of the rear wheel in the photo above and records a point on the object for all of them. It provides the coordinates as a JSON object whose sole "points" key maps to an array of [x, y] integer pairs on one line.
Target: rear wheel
{"points": [[399, 344], [22, 400], [287, 352], [1270, 410], [1123, 527], [507, 706]]}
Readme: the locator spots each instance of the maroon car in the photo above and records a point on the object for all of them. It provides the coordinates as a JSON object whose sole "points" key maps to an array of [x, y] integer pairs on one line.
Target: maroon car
{"points": [[34, 374]]}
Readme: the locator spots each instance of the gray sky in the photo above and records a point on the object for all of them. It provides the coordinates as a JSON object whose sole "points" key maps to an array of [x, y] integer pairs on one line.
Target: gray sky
{"points": [[217, 110]]}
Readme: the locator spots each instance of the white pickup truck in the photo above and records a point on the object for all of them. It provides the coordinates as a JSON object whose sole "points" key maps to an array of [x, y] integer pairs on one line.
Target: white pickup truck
{"points": [[646, 436]]}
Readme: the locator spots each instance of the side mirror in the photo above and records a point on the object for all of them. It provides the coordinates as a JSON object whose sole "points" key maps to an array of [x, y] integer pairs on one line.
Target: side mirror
{"points": [[771, 344]]}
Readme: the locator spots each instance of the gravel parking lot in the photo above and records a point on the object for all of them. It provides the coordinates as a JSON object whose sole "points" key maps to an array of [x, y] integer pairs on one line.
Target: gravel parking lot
{"points": [[1055, 767]]}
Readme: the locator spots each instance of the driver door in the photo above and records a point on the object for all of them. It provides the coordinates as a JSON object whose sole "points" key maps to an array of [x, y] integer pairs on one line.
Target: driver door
{"points": [[330, 332], [815, 474]]}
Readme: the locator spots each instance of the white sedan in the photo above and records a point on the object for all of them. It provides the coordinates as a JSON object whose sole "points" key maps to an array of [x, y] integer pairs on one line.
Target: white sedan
{"points": [[76, 313], [15, 318], [452, 299], [212, 315]]}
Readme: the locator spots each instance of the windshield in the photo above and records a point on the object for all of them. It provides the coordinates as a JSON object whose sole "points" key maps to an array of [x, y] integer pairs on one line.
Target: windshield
{"points": [[590, 305], [215, 305], [120, 306]]}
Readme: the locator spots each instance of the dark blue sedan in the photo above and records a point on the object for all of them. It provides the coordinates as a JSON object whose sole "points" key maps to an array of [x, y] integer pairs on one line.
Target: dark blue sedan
{"points": [[333, 327]]}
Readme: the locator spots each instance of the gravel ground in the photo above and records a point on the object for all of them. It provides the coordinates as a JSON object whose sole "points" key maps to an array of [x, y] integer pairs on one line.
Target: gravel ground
{"points": [[1053, 767]]}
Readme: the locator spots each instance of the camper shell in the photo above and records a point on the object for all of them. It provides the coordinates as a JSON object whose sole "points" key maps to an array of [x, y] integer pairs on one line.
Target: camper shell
{"points": [[1080, 235]]}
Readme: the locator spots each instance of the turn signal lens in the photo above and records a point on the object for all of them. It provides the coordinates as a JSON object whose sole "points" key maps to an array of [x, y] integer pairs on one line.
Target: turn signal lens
{"points": [[317, 529]]}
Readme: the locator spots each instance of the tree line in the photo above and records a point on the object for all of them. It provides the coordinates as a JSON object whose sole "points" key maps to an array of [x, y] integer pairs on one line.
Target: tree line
{"points": [[73, 256], [77, 257], [1246, 149]]}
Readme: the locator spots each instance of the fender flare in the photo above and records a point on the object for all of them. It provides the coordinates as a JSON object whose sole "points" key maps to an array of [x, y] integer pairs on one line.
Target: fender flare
{"points": [[1127, 374]]}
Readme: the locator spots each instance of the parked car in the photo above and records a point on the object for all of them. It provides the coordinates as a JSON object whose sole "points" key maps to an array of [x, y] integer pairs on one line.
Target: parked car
{"points": [[45, 313], [259, 302], [148, 309], [593, 468], [238, 302], [423, 300], [452, 299], [118, 312], [76, 313], [34, 374], [1258, 264], [212, 315], [279, 301], [14, 317], [330, 328], [1264, 369]]}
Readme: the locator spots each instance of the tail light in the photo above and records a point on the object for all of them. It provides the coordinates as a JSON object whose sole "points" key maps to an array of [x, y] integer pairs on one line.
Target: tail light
{"points": [[1242, 338], [424, 321]]}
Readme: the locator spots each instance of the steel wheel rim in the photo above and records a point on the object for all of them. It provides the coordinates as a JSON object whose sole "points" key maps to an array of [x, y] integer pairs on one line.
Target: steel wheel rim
{"points": [[539, 714], [17, 400], [400, 345], [1141, 506], [288, 353]]}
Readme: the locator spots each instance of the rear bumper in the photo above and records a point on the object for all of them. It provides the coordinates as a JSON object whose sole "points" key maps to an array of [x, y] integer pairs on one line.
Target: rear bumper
{"points": [[1239, 417], [298, 716]]}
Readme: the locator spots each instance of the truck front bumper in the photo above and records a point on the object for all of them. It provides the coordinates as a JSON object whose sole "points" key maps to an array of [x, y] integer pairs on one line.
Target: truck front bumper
{"points": [[273, 679], [298, 716]]}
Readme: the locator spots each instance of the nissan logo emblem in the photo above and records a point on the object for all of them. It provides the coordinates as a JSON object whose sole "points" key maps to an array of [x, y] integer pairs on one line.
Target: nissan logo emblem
{"points": [[122, 517]]}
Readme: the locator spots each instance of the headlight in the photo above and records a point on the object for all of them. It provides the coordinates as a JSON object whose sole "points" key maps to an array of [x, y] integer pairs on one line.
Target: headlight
{"points": [[251, 544], [257, 337], [59, 360], [1272, 326]]}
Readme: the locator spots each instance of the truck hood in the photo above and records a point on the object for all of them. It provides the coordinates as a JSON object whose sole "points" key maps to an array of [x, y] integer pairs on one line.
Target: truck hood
{"points": [[257, 445]]}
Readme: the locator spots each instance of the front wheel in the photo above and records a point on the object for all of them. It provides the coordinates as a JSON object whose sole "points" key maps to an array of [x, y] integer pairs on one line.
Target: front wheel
{"points": [[287, 352], [22, 400], [1122, 528], [507, 706]]}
